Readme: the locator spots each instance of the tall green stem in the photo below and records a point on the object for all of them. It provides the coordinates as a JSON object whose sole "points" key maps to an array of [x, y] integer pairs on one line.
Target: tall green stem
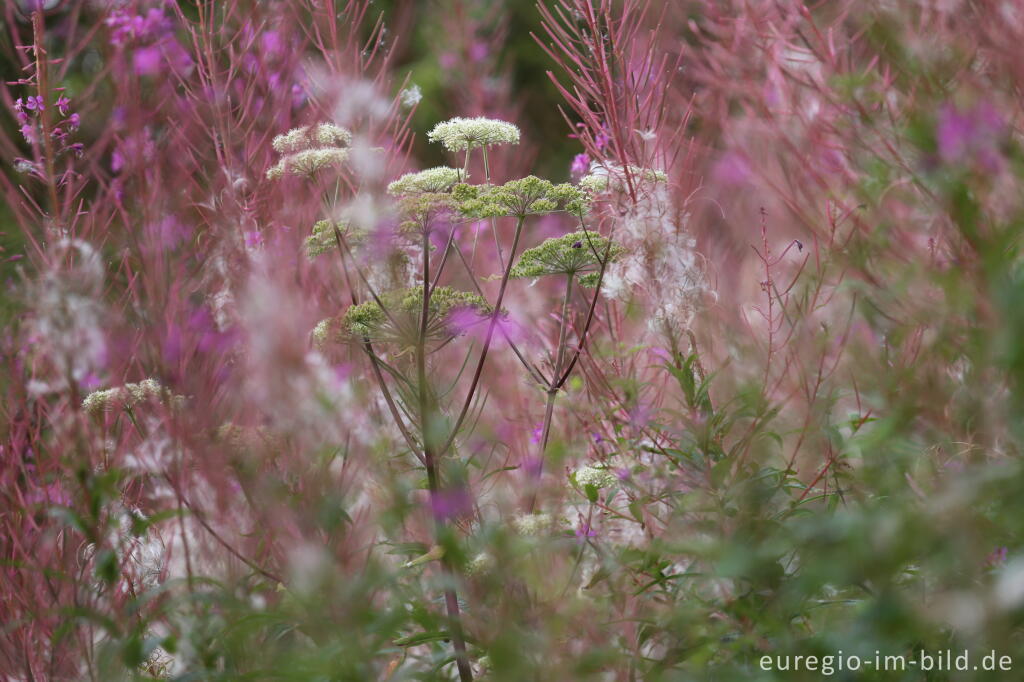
{"points": [[433, 480], [563, 329]]}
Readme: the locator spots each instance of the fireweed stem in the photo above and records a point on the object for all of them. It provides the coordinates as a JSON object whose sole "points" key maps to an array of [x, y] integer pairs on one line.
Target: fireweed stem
{"points": [[42, 86], [426, 418]]}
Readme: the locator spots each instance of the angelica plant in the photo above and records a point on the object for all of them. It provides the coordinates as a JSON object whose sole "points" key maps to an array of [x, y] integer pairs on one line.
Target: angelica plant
{"points": [[402, 331]]}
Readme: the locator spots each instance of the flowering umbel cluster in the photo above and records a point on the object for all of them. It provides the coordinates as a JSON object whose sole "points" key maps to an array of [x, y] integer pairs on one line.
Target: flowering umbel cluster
{"points": [[430, 181], [309, 149], [399, 318], [580, 254], [519, 198], [466, 134], [128, 396]]}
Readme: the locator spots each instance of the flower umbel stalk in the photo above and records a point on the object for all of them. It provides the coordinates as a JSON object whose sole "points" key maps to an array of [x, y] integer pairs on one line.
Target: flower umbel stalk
{"points": [[487, 339], [552, 391], [427, 412]]}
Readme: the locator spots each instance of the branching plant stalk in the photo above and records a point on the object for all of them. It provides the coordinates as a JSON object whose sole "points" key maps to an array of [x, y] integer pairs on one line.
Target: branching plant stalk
{"points": [[43, 87], [487, 340], [552, 391], [427, 410]]}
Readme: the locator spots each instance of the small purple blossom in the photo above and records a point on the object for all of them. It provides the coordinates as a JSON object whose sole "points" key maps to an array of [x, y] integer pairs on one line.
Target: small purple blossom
{"points": [[537, 434], [452, 503], [35, 103], [478, 51], [147, 61], [997, 556], [584, 530], [580, 164], [63, 105]]}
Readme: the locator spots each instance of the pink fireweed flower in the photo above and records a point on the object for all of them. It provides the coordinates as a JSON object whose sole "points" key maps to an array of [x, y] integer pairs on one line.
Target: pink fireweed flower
{"points": [[580, 165], [478, 51], [63, 104], [147, 61]]}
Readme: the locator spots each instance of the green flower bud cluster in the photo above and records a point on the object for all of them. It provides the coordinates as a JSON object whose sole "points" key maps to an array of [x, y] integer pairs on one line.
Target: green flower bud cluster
{"points": [[402, 318], [519, 198], [577, 253], [323, 238], [419, 210]]}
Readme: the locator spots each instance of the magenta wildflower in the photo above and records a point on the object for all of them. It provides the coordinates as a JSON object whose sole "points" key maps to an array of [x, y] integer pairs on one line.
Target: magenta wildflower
{"points": [[537, 434], [63, 105], [997, 556], [452, 503], [580, 165], [478, 51], [147, 61], [584, 530]]}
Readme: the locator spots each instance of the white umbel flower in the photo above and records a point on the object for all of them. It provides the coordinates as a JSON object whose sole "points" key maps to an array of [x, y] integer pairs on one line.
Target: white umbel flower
{"points": [[129, 395], [310, 149], [439, 179], [532, 524], [599, 478], [308, 162], [461, 134], [312, 137], [481, 564]]}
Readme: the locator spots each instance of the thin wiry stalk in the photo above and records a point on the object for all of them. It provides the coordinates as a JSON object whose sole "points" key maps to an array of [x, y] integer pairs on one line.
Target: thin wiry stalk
{"points": [[427, 413], [487, 339]]}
